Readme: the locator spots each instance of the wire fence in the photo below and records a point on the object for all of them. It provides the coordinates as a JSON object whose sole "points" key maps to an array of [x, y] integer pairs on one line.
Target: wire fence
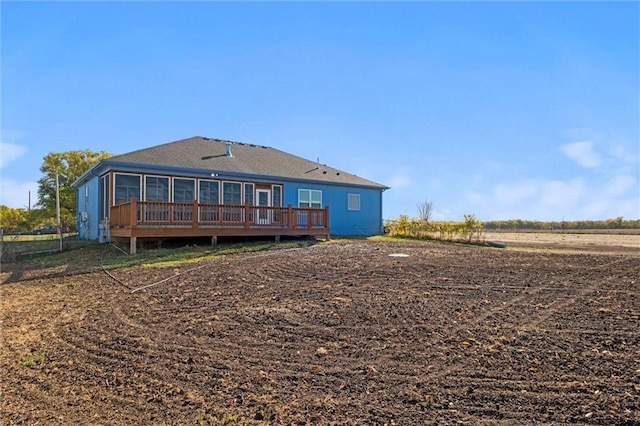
{"points": [[15, 246]]}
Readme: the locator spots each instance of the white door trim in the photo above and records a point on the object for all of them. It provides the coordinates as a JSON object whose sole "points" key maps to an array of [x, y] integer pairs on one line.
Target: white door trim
{"points": [[263, 215]]}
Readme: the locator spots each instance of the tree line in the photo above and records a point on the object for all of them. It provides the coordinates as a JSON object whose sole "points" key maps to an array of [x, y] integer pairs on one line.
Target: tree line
{"points": [[69, 165], [519, 224]]}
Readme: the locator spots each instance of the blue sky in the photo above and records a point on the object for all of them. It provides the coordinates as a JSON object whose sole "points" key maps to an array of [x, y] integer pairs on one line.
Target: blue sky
{"points": [[504, 110]]}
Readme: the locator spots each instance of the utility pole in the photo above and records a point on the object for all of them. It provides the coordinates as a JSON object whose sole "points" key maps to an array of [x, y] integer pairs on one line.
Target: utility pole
{"points": [[58, 208]]}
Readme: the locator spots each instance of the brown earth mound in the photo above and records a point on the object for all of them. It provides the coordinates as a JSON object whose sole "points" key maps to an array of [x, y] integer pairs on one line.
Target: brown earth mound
{"points": [[341, 333]]}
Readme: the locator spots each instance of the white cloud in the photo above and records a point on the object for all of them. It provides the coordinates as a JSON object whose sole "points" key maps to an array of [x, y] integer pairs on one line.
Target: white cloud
{"points": [[582, 153], [400, 180], [563, 195], [10, 153], [573, 199], [624, 158], [596, 208], [607, 187], [16, 194], [620, 185]]}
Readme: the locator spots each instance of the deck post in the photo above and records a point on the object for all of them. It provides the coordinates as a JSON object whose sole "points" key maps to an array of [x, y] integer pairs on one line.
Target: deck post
{"points": [[214, 241], [290, 216], [277, 239], [133, 214], [132, 245], [194, 217], [326, 218], [245, 207]]}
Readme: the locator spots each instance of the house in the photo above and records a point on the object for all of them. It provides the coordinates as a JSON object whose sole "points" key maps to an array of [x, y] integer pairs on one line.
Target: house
{"points": [[208, 187]]}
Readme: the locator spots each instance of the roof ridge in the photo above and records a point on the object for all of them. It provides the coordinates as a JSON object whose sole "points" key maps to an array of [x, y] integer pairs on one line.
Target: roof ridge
{"points": [[198, 153]]}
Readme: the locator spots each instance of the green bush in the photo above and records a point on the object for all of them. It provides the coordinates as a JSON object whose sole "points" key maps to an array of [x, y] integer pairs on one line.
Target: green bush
{"points": [[470, 230]]}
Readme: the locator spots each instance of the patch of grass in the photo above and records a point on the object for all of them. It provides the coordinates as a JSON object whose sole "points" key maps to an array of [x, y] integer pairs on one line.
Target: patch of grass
{"points": [[32, 361], [168, 257], [83, 256], [402, 239]]}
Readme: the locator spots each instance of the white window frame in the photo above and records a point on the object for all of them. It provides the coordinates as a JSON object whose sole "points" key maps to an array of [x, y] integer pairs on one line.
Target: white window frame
{"points": [[222, 192], [273, 193], [217, 182], [115, 175], [351, 200], [308, 199], [252, 191], [168, 188], [173, 189], [105, 183]]}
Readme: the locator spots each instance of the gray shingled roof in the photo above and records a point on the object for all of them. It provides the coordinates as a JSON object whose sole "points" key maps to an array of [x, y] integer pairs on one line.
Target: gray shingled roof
{"points": [[210, 154]]}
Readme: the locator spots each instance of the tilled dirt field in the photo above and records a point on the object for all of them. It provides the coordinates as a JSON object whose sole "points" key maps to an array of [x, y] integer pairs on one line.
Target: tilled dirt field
{"points": [[339, 333], [577, 242]]}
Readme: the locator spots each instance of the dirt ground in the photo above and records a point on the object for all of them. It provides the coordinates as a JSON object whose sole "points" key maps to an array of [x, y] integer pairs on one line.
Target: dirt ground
{"points": [[578, 242], [349, 332]]}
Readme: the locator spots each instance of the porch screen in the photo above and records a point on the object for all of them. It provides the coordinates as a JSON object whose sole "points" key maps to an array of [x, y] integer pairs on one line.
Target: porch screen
{"points": [[248, 194], [104, 197], [209, 192], [183, 190], [156, 188], [125, 187], [231, 193]]}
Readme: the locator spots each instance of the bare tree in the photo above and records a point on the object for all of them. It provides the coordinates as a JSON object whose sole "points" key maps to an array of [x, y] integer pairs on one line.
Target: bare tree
{"points": [[425, 210]]}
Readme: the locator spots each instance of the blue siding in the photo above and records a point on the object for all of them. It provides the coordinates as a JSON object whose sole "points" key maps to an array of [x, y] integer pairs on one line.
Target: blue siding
{"points": [[88, 202], [342, 221], [366, 221]]}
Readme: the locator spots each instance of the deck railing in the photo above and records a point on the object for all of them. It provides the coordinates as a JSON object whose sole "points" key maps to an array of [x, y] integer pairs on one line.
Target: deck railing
{"points": [[156, 214]]}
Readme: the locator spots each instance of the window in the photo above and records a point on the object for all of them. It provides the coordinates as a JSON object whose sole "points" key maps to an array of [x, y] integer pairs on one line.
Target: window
{"points": [[310, 198], [209, 192], [232, 196], [231, 193], [183, 190], [248, 194], [126, 186], [353, 202], [104, 199], [156, 188], [277, 195]]}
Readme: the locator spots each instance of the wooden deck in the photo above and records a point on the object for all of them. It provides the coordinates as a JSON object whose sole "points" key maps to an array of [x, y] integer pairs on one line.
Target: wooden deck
{"points": [[151, 219]]}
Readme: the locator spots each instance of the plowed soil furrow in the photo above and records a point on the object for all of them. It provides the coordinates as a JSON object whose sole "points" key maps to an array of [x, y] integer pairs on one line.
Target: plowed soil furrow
{"points": [[337, 334]]}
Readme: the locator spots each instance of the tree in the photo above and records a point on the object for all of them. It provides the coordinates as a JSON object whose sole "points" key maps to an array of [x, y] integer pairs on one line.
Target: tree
{"points": [[70, 165], [10, 218], [425, 210]]}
